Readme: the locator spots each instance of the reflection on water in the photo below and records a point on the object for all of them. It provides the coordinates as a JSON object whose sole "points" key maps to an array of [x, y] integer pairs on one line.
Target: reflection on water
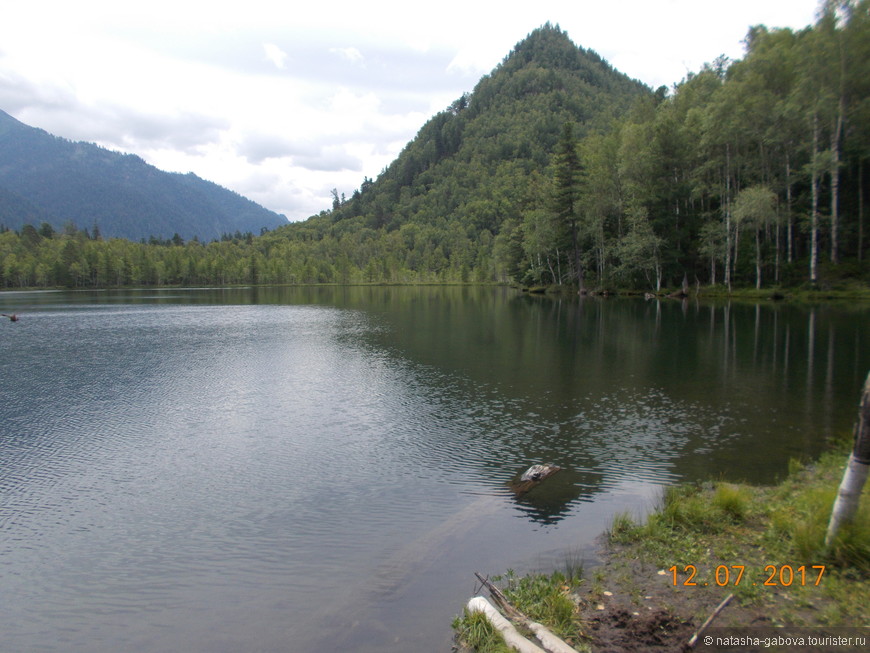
{"points": [[324, 468]]}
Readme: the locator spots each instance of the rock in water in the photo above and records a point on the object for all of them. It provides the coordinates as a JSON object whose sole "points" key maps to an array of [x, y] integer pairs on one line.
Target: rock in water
{"points": [[532, 477]]}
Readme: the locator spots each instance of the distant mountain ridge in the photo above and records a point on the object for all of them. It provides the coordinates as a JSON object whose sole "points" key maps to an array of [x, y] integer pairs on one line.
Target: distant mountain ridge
{"points": [[44, 178]]}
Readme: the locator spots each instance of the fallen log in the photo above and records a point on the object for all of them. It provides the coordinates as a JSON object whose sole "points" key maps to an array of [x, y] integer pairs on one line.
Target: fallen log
{"points": [[548, 640], [534, 475], [511, 635]]}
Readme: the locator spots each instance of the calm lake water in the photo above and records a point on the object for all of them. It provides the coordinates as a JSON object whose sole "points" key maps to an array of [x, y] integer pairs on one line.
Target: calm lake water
{"points": [[323, 469]]}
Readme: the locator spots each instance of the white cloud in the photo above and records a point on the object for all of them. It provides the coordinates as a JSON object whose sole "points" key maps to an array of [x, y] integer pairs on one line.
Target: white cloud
{"points": [[275, 54], [475, 59], [257, 147], [349, 54], [263, 100]]}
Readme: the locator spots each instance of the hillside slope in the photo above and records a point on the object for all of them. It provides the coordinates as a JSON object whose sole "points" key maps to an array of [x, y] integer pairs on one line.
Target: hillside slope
{"points": [[478, 161], [44, 178]]}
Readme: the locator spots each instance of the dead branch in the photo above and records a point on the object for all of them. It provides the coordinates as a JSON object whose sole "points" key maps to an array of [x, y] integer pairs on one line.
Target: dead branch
{"points": [[700, 631]]}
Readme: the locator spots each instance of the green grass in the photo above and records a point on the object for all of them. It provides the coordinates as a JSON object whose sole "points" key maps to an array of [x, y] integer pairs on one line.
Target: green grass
{"points": [[474, 631], [712, 524], [623, 529], [544, 598], [731, 500], [798, 528], [789, 519], [718, 523]]}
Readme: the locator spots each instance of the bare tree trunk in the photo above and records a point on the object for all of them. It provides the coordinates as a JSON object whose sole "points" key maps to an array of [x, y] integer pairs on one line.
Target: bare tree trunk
{"points": [[736, 246], [814, 213], [578, 269], [552, 272], [776, 259], [757, 259], [789, 220], [849, 495], [835, 184], [860, 209], [728, 217]]}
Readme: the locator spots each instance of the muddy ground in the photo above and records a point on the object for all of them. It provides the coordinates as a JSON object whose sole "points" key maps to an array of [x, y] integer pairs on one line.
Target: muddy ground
{"points": [[635, 607]]}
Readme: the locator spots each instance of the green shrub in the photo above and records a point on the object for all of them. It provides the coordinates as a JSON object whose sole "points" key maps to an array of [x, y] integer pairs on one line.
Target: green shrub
{"points": [[731, 500]]}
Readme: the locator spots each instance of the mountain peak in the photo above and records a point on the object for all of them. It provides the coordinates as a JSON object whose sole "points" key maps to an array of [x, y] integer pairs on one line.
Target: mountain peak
{"points": [[547, 45], [550, 47], [495, 142]]}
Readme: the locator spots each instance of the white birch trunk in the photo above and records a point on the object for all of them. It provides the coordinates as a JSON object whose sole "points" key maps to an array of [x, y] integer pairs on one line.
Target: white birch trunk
{"points": [[857, 470], [548, 640], [511, 635], [789, 222], [835, 186], [860, 209], [728, 217], [814, 213], [757, 259]]}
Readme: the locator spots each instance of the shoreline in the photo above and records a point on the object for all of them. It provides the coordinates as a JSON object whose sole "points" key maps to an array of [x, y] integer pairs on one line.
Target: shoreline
{"points": [[660, 579], [824, 292]]}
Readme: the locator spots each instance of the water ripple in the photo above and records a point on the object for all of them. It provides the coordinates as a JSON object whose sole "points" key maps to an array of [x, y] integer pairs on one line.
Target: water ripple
{"points": [[198, 473]]}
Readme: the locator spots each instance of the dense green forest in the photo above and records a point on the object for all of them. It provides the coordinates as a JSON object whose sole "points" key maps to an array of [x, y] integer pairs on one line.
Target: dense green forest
{"points": [[557, 169]]}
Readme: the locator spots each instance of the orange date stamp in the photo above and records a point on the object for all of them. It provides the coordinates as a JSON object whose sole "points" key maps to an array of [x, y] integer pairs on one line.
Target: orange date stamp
{"points": [[734, 575]]}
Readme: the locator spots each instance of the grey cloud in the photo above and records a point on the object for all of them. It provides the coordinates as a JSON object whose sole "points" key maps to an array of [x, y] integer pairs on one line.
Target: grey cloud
{"points": [[287, 199], [18, 93], [322, 156], [256, 148], [399, 71], [403, 77], [59, 111], [183, 131], [329, 159]]}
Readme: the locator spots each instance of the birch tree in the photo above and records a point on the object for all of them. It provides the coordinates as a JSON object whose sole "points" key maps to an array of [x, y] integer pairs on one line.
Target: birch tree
{"points": [[755, 206], [857, 469]]}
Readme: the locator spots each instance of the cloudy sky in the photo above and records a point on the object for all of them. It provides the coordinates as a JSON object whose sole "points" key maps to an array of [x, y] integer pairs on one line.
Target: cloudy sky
{"points": [[282, 102]]}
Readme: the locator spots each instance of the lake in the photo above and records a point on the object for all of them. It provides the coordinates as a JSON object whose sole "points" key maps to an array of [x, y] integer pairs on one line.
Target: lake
{"points": [[323, 469]]}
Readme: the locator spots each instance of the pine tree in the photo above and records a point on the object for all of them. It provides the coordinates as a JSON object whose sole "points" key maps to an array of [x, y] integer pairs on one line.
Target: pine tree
{"points": [[567, 194]]}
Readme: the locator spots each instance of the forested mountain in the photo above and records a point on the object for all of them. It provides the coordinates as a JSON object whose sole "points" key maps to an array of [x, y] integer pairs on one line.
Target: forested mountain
{"points": [[557, 169], [484, 162], [481, 160], [750, 171], [44, 178]]}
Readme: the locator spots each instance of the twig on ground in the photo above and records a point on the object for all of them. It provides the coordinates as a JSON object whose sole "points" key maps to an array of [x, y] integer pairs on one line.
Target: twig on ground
{"points": [[700, 631]]}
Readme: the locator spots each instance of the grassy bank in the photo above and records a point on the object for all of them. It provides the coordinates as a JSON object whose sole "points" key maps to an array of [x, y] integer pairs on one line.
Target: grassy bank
{"points": [[661, 577]]}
